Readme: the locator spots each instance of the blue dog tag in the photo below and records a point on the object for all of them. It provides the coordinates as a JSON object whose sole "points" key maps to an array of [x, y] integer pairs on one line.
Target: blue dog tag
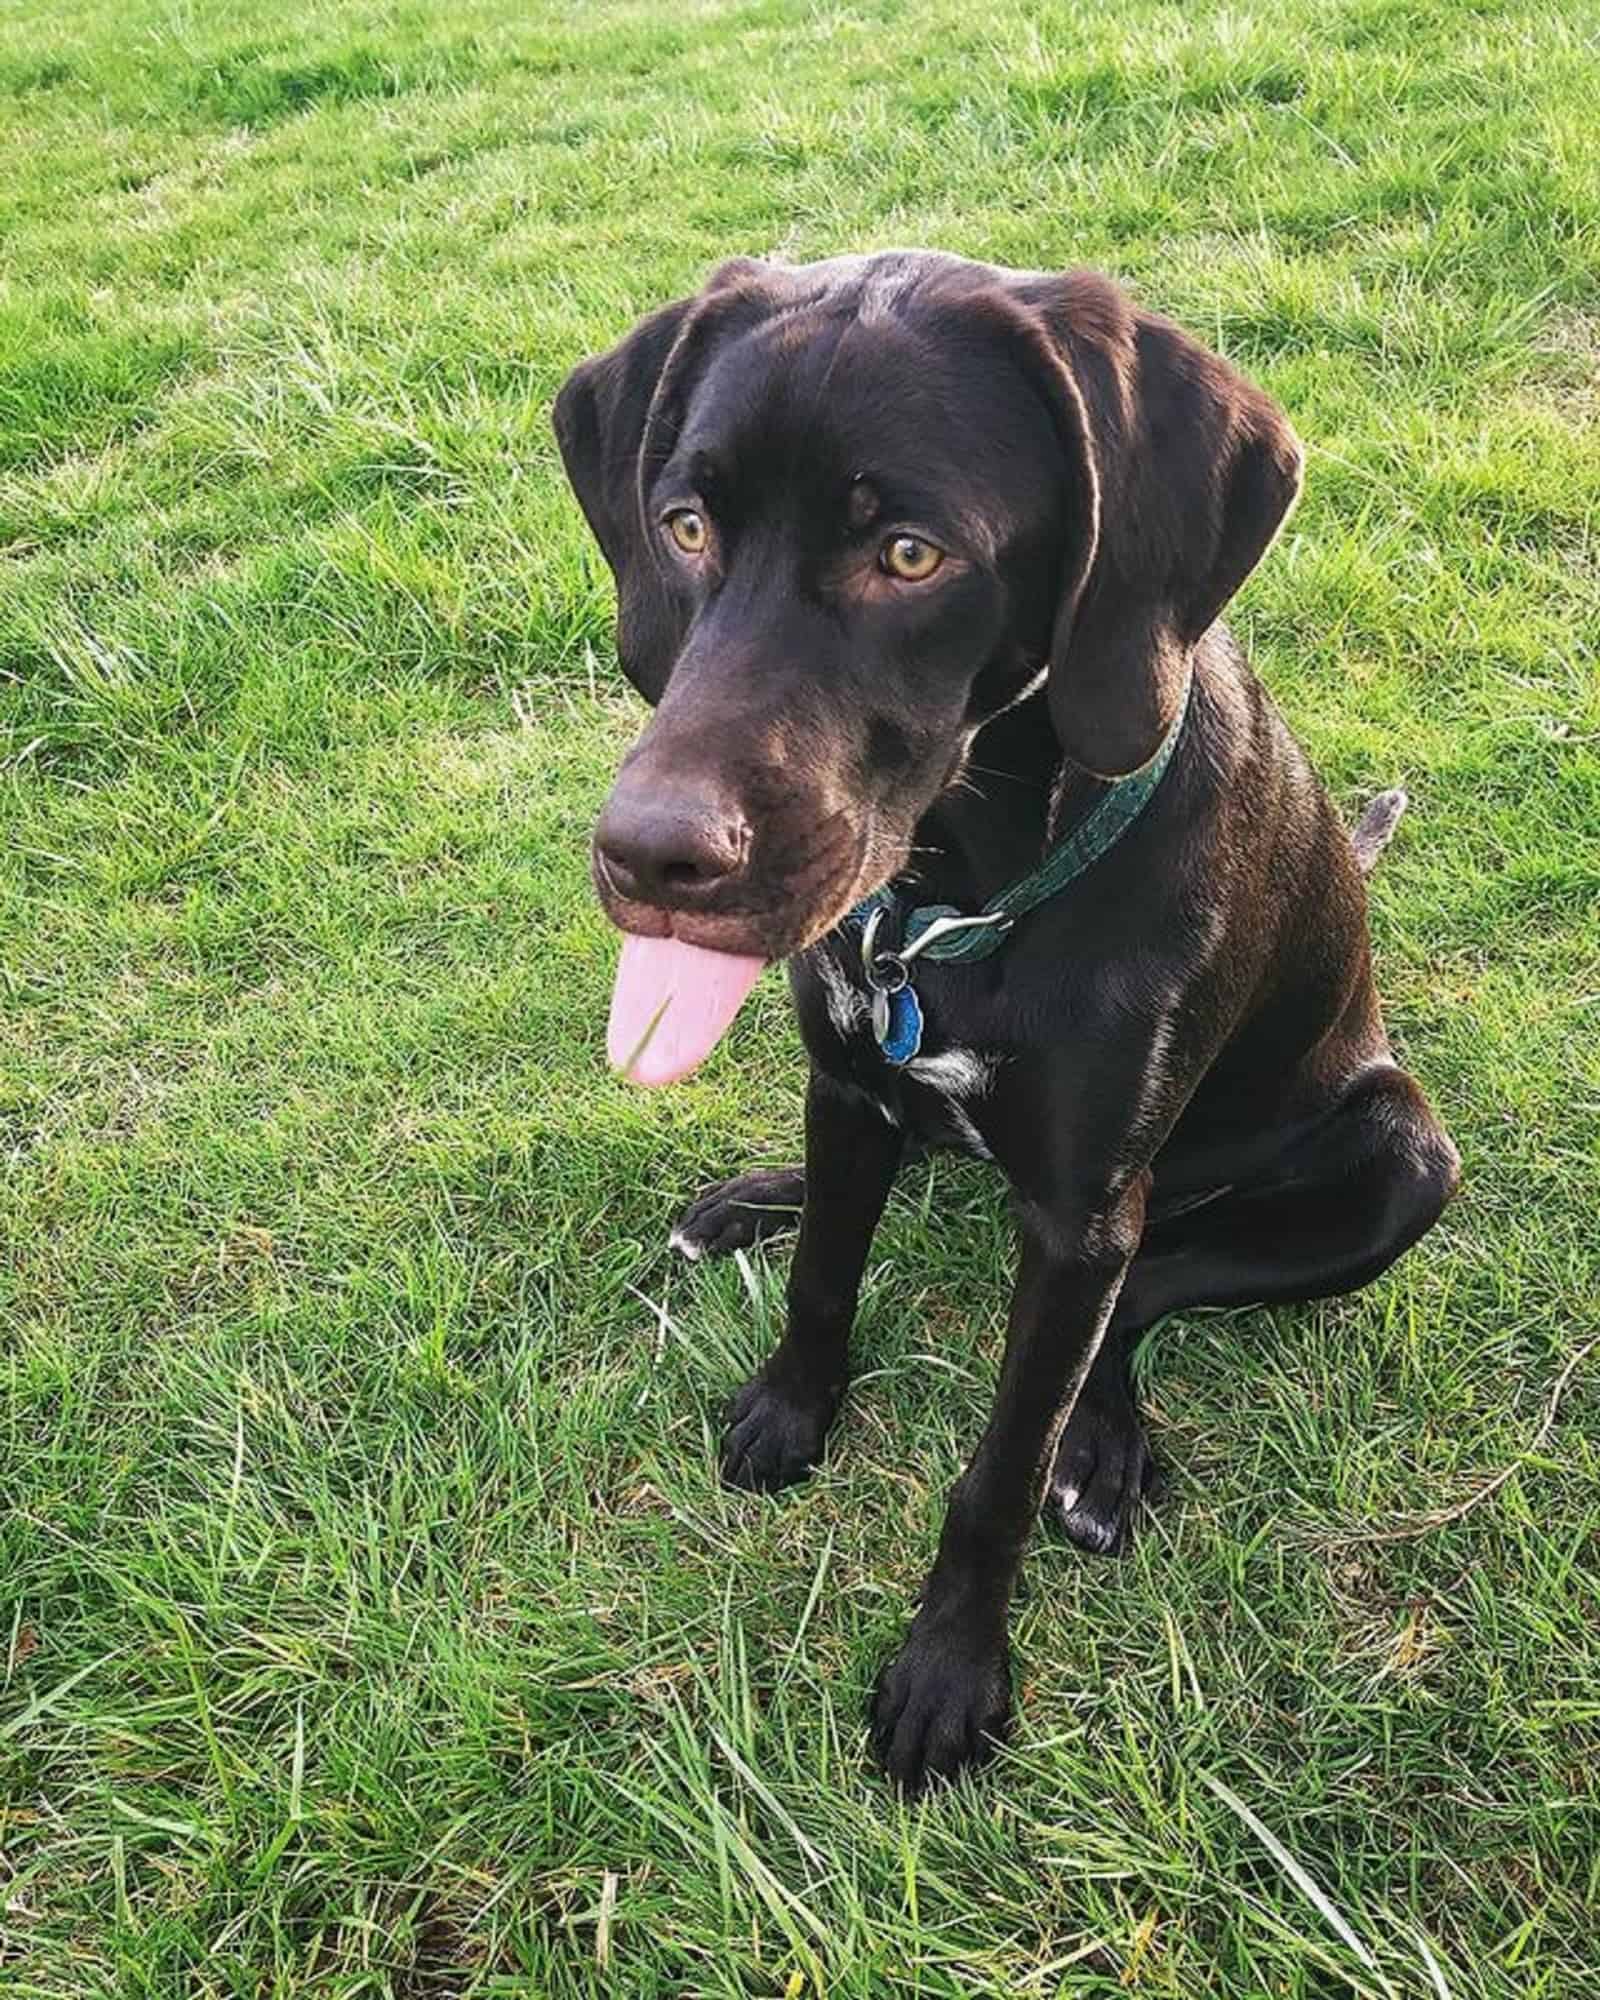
{"points": [[900, 1033]]}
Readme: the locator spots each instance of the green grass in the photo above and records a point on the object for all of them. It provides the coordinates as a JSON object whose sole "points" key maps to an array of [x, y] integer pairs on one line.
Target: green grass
{"points": [[371, 1620]]}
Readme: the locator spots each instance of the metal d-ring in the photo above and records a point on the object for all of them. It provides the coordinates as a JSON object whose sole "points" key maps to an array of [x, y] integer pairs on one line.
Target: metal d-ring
{"points": [[881, 967], [888, 973]]}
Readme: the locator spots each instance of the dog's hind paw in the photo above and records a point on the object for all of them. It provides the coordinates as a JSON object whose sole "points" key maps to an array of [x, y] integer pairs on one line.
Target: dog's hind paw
{"points": [[734, 1214], [1103, 1470]]}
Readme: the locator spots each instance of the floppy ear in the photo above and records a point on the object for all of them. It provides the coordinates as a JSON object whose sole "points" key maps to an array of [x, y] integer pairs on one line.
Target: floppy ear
{"points": [[615, 416], [1181, 473]]}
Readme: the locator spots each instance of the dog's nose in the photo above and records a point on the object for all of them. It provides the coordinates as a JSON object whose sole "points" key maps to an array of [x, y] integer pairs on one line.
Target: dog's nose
{"points": [[661, 847]]}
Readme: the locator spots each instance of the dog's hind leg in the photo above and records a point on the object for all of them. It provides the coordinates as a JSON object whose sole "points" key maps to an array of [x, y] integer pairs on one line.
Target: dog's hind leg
{"points": [[1340, 1206]]}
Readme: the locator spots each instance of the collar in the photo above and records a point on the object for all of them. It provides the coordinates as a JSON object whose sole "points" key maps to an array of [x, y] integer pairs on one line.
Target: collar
{"points": [[941, 934]]}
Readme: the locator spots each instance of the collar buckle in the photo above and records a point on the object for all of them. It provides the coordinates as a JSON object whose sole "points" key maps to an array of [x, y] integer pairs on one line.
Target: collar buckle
{"points": [[942, 927]]}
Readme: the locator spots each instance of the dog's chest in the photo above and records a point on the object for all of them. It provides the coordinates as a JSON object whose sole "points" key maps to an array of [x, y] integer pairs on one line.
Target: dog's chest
{"points": [[938, 1094]]}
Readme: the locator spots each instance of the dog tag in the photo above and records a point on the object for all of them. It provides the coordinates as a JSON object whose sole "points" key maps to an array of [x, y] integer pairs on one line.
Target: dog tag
{"points": [[900, 1035]]}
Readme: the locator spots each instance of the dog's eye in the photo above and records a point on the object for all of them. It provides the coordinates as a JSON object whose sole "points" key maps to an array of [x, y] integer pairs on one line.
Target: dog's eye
{"points": [[910, 558], [688, 529]]}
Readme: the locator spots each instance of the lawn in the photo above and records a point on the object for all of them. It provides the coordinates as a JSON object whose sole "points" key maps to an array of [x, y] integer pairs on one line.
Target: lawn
{"points": [[371, 1619]]}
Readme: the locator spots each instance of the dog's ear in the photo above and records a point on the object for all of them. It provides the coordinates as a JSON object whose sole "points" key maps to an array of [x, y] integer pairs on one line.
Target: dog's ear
{"points": [[1180, 474], [616, 415]]}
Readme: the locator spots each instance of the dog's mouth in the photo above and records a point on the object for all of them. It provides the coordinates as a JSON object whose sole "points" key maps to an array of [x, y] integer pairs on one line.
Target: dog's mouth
{"points": [[682, 975]]}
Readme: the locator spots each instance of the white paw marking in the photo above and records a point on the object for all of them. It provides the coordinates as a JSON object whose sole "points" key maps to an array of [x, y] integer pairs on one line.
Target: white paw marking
{"points": [[1067, 1498], [686, 1245]]}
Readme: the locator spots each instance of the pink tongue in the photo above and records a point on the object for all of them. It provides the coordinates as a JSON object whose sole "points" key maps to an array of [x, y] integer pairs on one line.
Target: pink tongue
{"points": [[671, 1004]]}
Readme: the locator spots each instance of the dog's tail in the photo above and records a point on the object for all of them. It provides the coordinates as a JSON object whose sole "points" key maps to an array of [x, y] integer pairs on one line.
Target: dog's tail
{"points": [[1375, 828]]}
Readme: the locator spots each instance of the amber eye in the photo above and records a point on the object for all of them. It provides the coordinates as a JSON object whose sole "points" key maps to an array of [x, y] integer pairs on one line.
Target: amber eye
{"points": [[688, 529], [910, 558]]}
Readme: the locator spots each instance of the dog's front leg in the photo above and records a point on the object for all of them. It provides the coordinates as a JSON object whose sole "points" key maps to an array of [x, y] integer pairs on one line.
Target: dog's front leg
{"points": [[945, 1698], [780, 1418]]}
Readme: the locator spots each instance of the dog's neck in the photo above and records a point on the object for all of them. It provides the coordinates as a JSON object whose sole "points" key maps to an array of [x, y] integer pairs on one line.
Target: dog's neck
{"points": [[994, 824]]}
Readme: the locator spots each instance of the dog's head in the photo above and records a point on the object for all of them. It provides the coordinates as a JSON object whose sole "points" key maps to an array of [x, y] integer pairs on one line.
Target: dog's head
{"points": [[855, 509]]}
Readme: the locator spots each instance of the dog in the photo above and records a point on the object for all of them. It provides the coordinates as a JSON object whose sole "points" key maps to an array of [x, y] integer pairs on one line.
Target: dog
{"points": [[920, 563]]}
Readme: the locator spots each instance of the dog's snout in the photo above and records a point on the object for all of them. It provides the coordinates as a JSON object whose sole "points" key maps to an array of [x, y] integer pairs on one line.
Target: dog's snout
{"points": [[670, 848]]}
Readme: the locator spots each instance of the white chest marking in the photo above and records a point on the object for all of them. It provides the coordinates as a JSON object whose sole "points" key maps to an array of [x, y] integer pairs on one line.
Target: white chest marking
{"points": [[848, 1006], [957, 1075]]}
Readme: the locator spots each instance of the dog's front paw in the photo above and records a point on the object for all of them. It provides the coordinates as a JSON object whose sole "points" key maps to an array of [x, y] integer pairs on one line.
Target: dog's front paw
{"points": [[775, 1434], [942, 1704]]}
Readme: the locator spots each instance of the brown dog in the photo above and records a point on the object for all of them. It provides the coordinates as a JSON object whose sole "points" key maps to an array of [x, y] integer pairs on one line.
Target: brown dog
{"points": [[920, 563]]}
